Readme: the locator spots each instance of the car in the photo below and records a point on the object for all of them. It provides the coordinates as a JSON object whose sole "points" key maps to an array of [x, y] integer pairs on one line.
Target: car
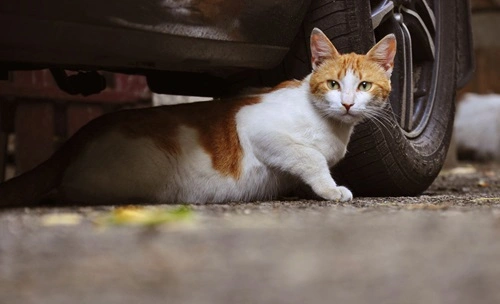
{"points": [[217, 47]]}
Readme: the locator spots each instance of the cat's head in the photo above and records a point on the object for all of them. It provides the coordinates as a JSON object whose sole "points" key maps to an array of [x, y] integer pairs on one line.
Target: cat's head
{"points": [[350, 87]]}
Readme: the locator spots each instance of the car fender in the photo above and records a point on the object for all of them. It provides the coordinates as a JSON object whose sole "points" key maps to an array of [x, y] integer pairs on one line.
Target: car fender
{"points": [[465, 48]]}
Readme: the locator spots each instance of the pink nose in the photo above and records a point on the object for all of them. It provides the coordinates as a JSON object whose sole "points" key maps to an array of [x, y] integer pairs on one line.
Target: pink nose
{"points": [[347, 106]]}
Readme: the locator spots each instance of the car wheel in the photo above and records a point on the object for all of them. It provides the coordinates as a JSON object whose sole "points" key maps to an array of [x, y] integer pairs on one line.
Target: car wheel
{"points": [[402, 152]]}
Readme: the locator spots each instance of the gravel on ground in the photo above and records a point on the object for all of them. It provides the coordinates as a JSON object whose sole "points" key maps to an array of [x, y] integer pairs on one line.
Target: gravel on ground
{"points": [[440, 247]]}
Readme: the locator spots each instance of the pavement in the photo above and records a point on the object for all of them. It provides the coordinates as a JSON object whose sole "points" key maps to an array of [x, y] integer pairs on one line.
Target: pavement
{"points": [[440, 247]]}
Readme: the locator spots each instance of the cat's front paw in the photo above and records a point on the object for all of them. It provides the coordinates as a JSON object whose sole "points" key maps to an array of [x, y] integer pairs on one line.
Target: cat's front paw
{"points": [[346, 194], [339, 193]]}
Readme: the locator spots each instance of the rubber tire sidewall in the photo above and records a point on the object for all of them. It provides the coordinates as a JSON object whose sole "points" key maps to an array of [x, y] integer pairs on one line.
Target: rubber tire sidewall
{"points": [[384, 162]]}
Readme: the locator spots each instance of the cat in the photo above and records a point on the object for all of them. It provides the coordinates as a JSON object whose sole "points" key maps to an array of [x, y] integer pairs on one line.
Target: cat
{"points": [[252, 147]]}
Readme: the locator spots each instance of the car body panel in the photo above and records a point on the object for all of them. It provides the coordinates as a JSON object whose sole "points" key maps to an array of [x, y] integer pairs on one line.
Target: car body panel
{"points": [[186, 35], [170, 41]]}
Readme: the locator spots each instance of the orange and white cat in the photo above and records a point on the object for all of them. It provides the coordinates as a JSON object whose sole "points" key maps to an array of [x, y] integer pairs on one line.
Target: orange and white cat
{"points": [[246, 148]]}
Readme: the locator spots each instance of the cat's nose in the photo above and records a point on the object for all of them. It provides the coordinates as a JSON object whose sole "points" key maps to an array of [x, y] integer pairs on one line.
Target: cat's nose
{"points": [[347, 106]]}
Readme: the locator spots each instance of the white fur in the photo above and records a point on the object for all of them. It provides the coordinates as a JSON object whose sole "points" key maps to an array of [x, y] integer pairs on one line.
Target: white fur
{"points": [[347, 94], [350, 95], [100, 176], [287, 138], [283, 138]]}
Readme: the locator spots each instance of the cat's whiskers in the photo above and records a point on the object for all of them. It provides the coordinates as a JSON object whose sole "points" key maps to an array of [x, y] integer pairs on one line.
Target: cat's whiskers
{"points": [[381, 116], [379, 122], [387, 116], [326, 113]]}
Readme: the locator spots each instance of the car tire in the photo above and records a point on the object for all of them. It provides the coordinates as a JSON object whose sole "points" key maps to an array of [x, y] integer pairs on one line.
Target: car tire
{"points": [[391, 156]]}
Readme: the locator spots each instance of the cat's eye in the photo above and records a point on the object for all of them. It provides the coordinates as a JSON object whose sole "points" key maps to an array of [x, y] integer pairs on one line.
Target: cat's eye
{"points": [[365, 86], [333, 85]]}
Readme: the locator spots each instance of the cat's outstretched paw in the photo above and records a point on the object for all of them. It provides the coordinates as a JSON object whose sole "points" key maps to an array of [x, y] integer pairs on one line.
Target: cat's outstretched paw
{"points": [[339, 193], [346, 194]]}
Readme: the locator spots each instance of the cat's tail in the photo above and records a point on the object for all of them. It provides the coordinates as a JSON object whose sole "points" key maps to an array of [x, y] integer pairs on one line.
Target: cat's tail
{"points": [[28, 188]]}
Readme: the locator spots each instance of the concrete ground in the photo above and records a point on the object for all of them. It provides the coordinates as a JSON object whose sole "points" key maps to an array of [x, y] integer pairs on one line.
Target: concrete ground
{"points": [[441, 247]]}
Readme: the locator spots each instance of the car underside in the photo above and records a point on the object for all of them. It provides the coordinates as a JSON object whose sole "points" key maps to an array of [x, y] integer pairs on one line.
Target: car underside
{"points": [[170, 41]]}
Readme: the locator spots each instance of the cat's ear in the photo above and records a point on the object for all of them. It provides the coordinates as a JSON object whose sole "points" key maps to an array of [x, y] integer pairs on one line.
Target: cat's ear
{"points": [[383, 53], [321, 48]]}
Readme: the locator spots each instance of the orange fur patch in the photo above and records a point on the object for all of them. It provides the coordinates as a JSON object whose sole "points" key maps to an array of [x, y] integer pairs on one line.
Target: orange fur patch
{"points": [[293, 83], [215, 122], [364, 68]]}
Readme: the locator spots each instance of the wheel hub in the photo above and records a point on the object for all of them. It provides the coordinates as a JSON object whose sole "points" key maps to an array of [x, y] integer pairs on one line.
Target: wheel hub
{"points": [[414, 24]]}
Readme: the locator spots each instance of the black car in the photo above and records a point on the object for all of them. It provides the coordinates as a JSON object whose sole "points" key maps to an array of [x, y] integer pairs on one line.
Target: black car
{"points": [[216, 47]]}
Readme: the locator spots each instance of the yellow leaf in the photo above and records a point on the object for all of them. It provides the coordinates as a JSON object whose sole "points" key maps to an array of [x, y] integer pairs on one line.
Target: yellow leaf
{"points": [[61, 219], [146, 216]]}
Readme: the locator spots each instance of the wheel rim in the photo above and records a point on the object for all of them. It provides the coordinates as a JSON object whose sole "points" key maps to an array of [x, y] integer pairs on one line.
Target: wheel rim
{"points": [[415, 68]]}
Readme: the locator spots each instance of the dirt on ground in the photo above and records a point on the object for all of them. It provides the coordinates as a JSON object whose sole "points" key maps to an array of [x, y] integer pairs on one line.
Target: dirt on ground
{"points": [[440, 247]]}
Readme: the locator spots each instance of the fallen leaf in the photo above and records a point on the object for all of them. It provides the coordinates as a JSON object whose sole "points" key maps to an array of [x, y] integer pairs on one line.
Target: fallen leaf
{"points": [[482, 183], [460, 171], [146, 216], [61, 219]]}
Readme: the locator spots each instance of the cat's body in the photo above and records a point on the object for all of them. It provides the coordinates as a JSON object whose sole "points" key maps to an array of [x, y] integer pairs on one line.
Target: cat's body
{"points": [[248, 148], [232, 162]]}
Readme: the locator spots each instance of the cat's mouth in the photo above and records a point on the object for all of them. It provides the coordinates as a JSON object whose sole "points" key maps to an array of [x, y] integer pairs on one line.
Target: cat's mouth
{"points": [[349, 117], [350, 112]]}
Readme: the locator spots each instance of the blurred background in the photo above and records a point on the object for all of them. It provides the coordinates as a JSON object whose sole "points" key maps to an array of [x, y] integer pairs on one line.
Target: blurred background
{"points": [[477, 121], [485, 28]]}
